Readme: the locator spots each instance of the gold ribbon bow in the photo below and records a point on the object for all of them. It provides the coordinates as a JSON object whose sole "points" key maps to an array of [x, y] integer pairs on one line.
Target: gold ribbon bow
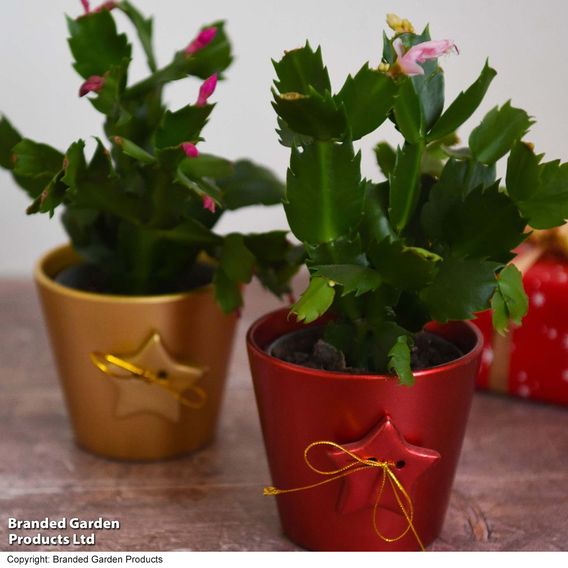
{"points": [[359, 464], [551, 240], [105, 362]]}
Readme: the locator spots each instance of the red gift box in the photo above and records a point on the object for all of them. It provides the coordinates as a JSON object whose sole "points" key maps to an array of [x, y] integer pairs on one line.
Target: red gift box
{"points": [[532, 360]]}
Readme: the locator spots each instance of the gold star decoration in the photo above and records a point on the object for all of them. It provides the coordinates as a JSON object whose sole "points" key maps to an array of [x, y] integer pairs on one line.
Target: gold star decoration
{"points": [[150, 380]]}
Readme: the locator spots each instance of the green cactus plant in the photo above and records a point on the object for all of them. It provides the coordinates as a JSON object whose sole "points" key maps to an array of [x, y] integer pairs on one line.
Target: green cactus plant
{"points": [[142, 209], [434, 240]]}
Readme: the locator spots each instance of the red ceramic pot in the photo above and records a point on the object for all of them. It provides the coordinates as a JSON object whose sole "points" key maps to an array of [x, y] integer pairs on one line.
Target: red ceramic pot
{"points": [[299, 406]]}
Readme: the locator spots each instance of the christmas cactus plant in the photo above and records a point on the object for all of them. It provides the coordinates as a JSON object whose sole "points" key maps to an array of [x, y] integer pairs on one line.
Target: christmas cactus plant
{"points": [[431, 243], [142, 209]]}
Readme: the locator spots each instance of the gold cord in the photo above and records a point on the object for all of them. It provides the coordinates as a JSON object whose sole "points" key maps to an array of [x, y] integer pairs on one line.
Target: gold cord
{"points": [[103, 362], [359, 464]]}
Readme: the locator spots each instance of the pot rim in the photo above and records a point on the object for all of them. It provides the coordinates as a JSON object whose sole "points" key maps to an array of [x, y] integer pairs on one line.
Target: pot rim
{"points": [[46, 281], [338, 376]]}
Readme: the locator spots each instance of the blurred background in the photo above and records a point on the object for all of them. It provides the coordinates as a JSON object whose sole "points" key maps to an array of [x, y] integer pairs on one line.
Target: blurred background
{"points": [[524, 40]]}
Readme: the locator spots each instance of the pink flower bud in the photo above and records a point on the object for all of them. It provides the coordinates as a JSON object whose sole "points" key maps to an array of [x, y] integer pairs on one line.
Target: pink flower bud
{"points": [[106, 6], [190, 150], [203, 39], [407, 63], [209, 203], [206, 90], [86, 6], [92, 85]]}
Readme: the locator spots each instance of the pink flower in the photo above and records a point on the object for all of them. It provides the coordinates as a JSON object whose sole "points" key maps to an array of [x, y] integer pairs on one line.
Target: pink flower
{"points": [[206, 90], [407, 63], [86, 6], [203, 39], [209, 203], [190, 150], [106, 6], [92, 85]]}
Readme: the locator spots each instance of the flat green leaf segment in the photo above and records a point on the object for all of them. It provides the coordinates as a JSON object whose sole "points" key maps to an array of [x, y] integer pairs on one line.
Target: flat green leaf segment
{"points": [[314, 115], [455, 217], [510, 302], [324, 195], [465, 104], [250, 184], [301, 69], [460, 289], [315, 301], [96, 44], [433, 240], [430, 85], [367, 99], [399, 361], [183, 125], [408, 112], [141, 207], [354, 279], [31, 159], [9, 137], [539, 190], [405, 184], [500, 129], [144, 29], [375, 225], [386, 158], [201, 188], [406, 268], [134, 151], [236, 265], [236, 259], [227, 292], [305, 104]]}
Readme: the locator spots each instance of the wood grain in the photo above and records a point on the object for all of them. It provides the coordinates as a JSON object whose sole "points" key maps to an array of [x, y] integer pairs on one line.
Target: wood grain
{"points": [[511, 490]]}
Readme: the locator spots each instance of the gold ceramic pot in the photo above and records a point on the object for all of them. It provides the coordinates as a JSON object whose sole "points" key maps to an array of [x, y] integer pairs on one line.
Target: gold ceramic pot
{"points": [[143, 376]]}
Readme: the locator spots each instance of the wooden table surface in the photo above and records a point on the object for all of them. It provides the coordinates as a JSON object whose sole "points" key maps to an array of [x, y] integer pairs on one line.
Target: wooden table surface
{"points": [[511, 491]]}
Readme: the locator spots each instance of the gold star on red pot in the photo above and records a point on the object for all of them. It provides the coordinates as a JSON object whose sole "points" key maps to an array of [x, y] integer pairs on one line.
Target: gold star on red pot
{"points": [[150, 380], [383, 443]]}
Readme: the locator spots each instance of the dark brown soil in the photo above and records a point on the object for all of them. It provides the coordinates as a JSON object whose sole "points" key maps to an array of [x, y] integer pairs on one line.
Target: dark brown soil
{"points": [[84, 277], [307, 348], [90, 278], [431, 350]]}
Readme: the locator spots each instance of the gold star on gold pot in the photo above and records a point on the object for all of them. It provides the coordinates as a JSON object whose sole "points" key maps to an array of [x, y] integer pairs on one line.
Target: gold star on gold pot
{"points": [[150, 380]]}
